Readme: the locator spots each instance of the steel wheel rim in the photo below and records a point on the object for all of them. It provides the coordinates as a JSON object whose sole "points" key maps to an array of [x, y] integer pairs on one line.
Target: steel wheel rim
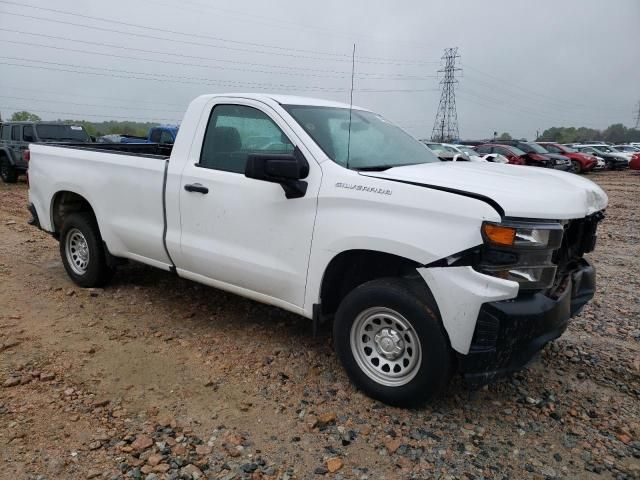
{"points": [[385, 346], [576, 167], [77, 251]]}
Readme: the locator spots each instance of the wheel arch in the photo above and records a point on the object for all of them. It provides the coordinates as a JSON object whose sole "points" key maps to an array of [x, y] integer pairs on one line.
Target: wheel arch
{"points": [[6, 153], [65, 202], [350, 268]]}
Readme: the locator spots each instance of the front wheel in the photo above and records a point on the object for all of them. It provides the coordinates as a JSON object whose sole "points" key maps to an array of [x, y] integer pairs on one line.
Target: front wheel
{"points": [[8, 172], [391, 343], [82, 251]]}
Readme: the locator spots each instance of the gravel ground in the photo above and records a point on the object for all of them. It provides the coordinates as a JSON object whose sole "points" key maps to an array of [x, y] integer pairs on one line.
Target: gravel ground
{"points": [[156, 377]]}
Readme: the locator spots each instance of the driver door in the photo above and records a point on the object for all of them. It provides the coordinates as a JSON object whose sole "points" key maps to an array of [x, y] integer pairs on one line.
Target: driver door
{"points": [[238, 233]]}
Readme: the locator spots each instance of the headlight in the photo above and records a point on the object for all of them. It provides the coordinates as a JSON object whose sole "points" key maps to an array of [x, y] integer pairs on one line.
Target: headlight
{"points": [[521, 252]]}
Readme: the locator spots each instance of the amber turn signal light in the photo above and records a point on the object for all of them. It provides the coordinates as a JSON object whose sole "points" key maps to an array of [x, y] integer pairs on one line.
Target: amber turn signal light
{"points": [[499, 235]]}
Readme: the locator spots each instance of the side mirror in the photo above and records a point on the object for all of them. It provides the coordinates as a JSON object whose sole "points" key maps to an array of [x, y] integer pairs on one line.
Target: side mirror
{"points": [[286, 169]]}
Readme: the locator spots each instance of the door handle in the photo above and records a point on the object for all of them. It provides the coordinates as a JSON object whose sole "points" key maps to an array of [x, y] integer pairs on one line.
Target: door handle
{"points": [[196, 187]]}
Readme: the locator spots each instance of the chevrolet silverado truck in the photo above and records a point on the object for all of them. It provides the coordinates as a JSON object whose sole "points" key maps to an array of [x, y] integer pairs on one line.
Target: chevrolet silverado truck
{"points": [[425, 268]]}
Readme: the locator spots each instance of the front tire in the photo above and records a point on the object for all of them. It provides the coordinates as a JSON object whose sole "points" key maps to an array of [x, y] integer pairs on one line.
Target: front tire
{"points": [[82, 251], [8, 172], [389, 338]]}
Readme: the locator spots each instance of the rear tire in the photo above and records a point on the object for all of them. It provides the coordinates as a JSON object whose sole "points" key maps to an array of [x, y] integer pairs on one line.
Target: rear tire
{"points": [[576, 166], [389, 338], [82, 251], [8, 172]]}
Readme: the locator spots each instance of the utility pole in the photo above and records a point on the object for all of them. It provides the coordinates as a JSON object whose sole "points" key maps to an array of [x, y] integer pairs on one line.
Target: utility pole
{"points": [[445, 128], [638, 117]]}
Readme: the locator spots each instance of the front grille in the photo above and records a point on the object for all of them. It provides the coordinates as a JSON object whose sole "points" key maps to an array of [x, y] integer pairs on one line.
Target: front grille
{"points": [[579, 238]]}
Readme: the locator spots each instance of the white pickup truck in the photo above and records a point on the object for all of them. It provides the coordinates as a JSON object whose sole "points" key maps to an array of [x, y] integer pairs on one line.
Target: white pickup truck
{"points": [[425, 268]]}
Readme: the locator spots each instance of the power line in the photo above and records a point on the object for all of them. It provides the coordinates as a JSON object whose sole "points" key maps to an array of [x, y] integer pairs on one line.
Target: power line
{"points": [[197, 65], [119, 107], [276, 21], [561, 103], [152, 119], [94, 97], [336, 56], [445, 127], [183, 80]]}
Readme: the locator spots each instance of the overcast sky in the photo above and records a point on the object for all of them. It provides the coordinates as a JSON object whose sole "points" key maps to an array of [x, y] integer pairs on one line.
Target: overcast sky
{"points": [[526, 65]]}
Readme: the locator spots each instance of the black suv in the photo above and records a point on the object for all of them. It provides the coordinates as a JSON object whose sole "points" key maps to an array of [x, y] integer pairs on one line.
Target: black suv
{"points": [[539, 156], [15, 138]]}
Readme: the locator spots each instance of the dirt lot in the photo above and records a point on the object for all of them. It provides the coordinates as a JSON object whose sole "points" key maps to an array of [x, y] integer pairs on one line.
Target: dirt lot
{"points": [[156, 377]]}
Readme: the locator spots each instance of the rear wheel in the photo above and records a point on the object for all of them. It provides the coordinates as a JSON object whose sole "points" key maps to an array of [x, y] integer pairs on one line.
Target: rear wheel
{"points": [[8, 172], [390, 341], [82, 251], [576, 166]]}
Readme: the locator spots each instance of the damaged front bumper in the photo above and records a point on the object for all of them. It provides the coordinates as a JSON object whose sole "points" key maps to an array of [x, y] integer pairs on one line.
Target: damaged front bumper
{"points": [[509, 333]]}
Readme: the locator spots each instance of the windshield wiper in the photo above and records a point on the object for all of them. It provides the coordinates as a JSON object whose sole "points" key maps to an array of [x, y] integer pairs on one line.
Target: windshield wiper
{"points": [[375, 168], [382, 168]]}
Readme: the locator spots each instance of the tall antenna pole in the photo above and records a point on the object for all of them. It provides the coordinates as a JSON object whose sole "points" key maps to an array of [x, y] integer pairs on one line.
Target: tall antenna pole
{"points": [[353, 70], [445, 127], [637, 117]]}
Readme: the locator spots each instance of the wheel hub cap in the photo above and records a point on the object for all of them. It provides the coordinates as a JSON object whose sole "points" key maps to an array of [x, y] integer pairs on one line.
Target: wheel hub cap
{"points": [[389, 344], [77, 251], [385, 346]]}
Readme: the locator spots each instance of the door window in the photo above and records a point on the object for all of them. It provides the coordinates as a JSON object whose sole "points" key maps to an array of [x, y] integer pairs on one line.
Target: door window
{"points": [[155, 136], [27, 134], [234, 132], [15, 132], [166, 137], [6, 132]]}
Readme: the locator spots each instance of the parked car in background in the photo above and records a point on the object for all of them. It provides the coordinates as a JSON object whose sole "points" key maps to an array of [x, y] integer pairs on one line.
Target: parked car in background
{"points": [[538, 156], [471, 154], [614, 160], [15, 138], [514, 155], [445, 152], [627, 149], [495, 158], [634, 164], [581, 162], [162, 135]]}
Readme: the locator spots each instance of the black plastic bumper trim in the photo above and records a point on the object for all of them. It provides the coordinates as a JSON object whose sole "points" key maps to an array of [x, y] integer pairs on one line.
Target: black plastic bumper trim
{"points": [[511, 332]]}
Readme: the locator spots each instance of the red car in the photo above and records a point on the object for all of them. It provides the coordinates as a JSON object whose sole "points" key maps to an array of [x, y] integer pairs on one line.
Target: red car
{"points": [[513, 154], [634, 164], [582, 162]]}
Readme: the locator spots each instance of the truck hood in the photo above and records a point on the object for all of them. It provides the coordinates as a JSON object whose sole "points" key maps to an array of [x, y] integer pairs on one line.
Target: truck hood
{"points": [[526, 192]]}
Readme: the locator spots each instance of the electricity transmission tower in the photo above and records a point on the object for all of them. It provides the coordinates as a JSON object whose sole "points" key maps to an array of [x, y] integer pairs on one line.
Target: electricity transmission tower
{"points": [[638, 117], [445, 128]]}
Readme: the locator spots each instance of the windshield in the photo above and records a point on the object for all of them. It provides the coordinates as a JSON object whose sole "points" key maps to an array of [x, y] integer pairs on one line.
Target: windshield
{"points": [[604, 148], [467, 150], [517, 151], [436, 147], [62, 132], [375, 143], [532, 148]]}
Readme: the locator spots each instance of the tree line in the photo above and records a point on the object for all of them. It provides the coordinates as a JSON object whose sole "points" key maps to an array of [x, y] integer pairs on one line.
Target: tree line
{"points": [[616, 133]]}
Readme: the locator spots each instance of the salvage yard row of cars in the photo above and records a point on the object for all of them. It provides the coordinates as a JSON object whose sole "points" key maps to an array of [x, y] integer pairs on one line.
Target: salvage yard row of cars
{"points": [[576, 157], [15, 138]]}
